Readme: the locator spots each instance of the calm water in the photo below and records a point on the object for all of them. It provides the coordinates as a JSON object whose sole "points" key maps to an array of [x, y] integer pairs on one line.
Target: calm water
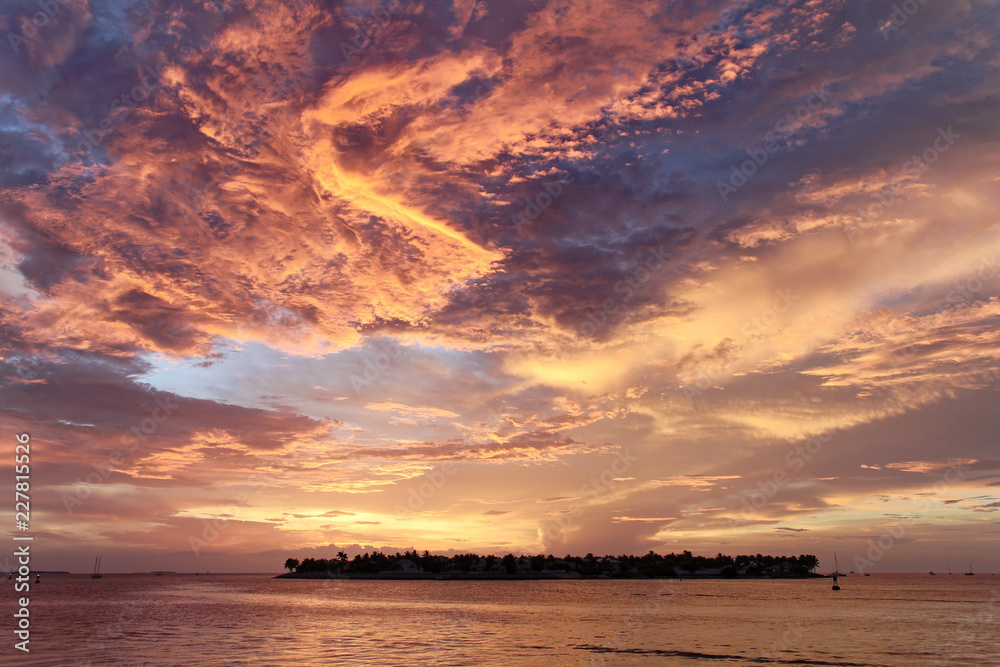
{"points": [[254, 620]]}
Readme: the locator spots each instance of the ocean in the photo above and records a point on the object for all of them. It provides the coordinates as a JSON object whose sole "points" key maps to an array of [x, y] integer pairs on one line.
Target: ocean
{"points": [[249, 619]]}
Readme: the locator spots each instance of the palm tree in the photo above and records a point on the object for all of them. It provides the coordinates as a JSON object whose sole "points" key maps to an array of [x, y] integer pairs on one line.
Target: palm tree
{"points": [[291, 564]]}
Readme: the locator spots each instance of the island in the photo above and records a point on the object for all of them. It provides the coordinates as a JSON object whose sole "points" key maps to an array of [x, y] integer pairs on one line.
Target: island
{"points": [[414, 565]]}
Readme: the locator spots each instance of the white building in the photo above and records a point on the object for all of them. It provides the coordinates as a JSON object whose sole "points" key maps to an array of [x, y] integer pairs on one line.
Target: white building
{"points": [[406, 565]]}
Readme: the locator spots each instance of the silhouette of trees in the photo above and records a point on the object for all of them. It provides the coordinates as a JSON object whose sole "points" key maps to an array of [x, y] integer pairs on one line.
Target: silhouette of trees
{"points": [[509, 563], [651, 564]]}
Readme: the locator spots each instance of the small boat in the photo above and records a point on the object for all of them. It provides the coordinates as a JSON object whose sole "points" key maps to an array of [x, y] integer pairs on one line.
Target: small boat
{"points": [[969, 573], [931, 573], [159, 574], [836, 572], [38, 578], [97, 568], [867, 575]]}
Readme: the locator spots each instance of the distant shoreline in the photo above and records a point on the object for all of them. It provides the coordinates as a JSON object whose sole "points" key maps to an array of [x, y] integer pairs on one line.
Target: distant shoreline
{"points": [[483, 577], [492, 576]]}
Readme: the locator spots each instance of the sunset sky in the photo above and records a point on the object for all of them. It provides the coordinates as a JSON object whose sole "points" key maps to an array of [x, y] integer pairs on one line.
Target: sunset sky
{"points": [[288, 278]]}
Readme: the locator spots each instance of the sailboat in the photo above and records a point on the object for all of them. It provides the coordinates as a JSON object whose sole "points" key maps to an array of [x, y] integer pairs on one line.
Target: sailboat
{"points": [[97, 568], [969, 573], [836, 572]]}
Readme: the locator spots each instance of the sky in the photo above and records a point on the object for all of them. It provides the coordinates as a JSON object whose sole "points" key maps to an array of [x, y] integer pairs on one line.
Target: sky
{"points": [[280, 279]]}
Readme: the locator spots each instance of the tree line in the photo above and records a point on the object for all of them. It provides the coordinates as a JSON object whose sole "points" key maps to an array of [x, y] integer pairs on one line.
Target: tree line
{"points": [[650, 564]]}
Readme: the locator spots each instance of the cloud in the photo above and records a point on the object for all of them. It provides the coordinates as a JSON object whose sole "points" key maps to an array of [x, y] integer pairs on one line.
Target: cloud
{"points": [[417, 412], [494, 238]]}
